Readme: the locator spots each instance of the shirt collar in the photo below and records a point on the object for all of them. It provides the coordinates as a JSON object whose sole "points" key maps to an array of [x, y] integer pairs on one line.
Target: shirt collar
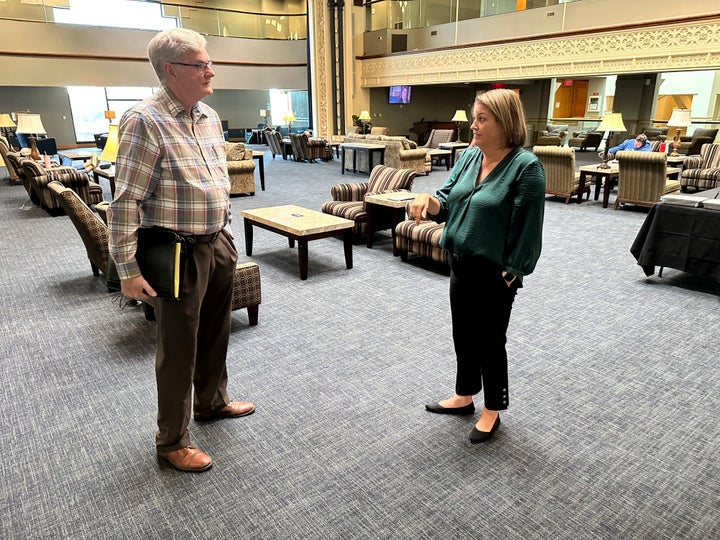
{"points": [[176, 108]]}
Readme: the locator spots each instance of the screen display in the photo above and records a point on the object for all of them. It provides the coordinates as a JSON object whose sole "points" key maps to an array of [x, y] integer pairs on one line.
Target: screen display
{"points": [[399, 94]]}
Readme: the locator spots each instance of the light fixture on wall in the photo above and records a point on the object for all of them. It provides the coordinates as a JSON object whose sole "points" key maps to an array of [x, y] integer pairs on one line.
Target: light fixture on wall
{"points": [[459, 117], [364, 117], [610, 122], [680, 118], [32, 126]]}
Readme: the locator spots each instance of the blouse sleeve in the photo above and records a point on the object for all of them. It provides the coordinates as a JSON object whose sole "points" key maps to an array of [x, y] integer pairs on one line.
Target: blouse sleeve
{"points": [[524, 240], [442, 194]]}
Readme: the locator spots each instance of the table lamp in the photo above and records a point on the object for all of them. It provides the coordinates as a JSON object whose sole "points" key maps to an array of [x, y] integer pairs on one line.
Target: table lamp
{"points": [[364, 117], [459, 117], [31, 125], [110, 150], [610, 122], [289, 118], [6, 123], [679, 119]]}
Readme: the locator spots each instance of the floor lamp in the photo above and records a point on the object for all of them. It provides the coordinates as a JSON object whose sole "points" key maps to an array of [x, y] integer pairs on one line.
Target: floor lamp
{"points": [[679, 119], [610, 122], [31, 125], [459, 117]]}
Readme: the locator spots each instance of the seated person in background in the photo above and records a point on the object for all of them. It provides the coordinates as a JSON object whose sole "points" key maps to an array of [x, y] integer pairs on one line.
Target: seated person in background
{"points": [[638, 144]]}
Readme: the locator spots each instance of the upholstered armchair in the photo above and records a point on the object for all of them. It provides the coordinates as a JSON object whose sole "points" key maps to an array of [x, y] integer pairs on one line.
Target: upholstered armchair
{"points": [[310, 148], [349, 199], [642, 178], [438, 136], [241, 168], [586, 139], [11, 166], [38, 179], [379, 130], [691, 144], [702, 172], [560, 176], [554, 135], [92, 230], [276, 144], [422, 239]]}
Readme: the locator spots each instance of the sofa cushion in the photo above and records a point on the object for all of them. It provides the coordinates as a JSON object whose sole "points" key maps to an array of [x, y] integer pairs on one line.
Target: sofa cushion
{"points": [[235, 151], [556, 129]]}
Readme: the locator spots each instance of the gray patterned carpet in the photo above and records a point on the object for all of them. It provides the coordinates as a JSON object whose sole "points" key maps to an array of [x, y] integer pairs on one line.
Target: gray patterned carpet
{"points": [[612, 431]]}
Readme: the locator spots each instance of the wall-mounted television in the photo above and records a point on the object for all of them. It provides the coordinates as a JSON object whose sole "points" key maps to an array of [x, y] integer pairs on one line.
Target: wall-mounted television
{"points": [[399, 94]]}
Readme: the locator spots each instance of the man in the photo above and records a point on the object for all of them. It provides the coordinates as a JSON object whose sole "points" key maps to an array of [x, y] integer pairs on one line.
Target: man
{"points": [[638, 144], [171, 173]]}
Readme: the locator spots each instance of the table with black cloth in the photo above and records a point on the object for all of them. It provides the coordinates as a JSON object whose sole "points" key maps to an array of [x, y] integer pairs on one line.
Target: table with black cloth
{"points": [[682, 237]]}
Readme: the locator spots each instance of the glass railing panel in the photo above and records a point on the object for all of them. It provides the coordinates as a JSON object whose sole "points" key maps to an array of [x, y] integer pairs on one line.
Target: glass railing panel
{"points": [[220, 22]]}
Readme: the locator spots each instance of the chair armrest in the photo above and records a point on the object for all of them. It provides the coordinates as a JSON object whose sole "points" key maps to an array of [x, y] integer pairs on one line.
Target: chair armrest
{"points": [[349, 192], [415, 153], [235, 167], [692, 162]]}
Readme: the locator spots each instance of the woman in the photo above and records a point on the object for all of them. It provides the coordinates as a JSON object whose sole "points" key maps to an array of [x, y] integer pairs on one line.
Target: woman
{"points": [[492, 205]]}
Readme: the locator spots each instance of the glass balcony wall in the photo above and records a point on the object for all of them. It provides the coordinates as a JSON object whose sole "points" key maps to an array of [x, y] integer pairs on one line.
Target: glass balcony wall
{"points": [[244, 23], [407, 14]]}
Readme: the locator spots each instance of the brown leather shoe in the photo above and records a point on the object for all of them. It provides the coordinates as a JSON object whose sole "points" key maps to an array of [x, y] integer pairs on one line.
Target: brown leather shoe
{"points": [[188, 459], [234, 409]]}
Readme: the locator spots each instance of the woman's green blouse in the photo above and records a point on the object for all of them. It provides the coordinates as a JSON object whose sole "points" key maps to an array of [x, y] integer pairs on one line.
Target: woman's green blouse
{"points": [[501, 218]]}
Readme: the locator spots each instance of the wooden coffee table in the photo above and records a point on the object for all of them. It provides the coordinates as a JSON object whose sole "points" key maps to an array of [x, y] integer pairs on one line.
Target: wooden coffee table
{"points": [[301, 224]]}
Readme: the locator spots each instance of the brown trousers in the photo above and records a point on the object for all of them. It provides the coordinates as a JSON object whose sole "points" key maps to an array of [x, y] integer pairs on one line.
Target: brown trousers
{"points": [[192, 341]]}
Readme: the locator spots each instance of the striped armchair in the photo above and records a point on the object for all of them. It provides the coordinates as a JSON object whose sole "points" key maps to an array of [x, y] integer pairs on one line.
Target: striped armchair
{"points": [[702, 172], [309, 148], [349, 199], [422, 239], [38, 179], [560, 176], [642, 178]]}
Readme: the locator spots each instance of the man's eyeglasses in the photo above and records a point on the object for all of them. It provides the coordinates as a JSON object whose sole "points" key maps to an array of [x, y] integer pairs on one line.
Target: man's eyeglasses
{"points": [[200, 66]]}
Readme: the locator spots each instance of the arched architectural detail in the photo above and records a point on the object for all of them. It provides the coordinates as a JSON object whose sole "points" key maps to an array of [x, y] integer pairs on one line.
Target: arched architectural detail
{"points": [[670, 47]]}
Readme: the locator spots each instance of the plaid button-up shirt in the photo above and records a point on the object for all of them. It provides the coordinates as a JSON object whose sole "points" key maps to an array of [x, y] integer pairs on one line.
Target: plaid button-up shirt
{"points": [[171, 172]]}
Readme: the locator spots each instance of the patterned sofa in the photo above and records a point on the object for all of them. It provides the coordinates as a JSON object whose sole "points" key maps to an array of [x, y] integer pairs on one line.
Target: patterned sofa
{"points": [[400, 153]]}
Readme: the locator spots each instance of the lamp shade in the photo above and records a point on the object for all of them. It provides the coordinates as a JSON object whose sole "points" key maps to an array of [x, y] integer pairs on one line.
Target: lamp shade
{"points": [[612, 122], [460, 116], [679, 118], [289, 117], [30, 124], [110, 150], [364, 115], [6, 121]]}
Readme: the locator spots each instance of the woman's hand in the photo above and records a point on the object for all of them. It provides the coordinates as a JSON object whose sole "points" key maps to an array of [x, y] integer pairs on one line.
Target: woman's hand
{"points": [[419, 207]]}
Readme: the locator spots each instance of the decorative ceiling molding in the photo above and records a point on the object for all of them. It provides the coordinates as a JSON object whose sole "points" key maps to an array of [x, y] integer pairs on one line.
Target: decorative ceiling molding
{"points": [[673, 47]]}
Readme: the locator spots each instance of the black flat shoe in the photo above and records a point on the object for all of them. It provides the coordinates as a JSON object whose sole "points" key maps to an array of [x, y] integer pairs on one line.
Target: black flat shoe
{"points": [[477, 436], [439, 409]]}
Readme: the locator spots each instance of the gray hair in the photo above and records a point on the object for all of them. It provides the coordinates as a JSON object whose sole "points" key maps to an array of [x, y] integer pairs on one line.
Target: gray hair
{"points": [[170, 45]]}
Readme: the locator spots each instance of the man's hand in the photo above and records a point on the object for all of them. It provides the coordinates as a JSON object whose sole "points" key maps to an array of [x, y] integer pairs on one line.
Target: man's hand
{"points": [[137, 288]]}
